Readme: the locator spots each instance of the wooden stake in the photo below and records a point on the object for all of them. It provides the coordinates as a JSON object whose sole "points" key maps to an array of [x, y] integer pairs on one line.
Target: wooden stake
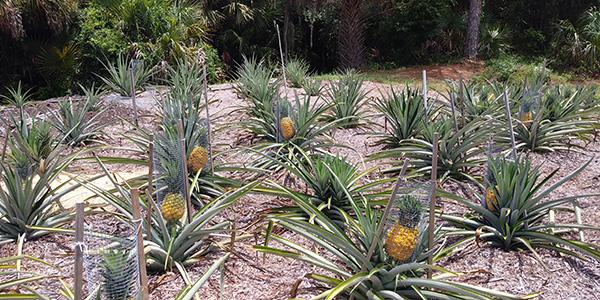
{"points": [[4, 147], [434, 160], [79, 214], [210, 151], [425, 91], [281, 55], [135, 115], [137, 221], [453, 106], [461, 96], [185, 172], [149, 203], [510, 127]]}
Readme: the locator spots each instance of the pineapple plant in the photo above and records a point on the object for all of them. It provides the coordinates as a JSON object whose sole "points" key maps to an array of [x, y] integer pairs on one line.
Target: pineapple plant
{"points": [[402, 236], [288, 129], [118, 273]]}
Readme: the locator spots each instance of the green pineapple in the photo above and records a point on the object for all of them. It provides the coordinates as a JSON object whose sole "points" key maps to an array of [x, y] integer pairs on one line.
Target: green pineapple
{"points": [[117, 275], [402, 237]]}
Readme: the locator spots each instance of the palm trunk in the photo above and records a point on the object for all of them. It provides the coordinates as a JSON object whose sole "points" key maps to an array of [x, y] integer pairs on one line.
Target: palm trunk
{"points": [[473, 29], [351, 35]]}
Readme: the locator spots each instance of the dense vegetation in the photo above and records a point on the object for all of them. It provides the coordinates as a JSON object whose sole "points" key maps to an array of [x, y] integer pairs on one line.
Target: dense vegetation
{"points": [[54, 45]]}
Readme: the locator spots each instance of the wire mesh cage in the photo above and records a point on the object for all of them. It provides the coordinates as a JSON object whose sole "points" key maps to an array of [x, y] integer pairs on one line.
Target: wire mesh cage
{"points": [[169, 176], [111, 263], [406, 225]]}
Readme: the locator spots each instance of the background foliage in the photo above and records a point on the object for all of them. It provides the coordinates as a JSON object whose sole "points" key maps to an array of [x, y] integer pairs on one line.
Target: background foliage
{"points": [[54, 45]]}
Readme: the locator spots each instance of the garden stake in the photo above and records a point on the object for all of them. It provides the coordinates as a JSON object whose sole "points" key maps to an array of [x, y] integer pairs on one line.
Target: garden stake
{"points": [[462, 99], [281, 55], [150, 187], [135, 115], [425, 92], [7, 132], [137, 220], [185, 173], [79, 213], [510, 127], [452, 105], [434, 161], [210, 152]]}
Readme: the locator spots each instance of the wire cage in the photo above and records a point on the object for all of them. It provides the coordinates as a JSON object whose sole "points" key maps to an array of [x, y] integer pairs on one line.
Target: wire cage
{"points": [[406, 225], [169, 176], [111, 263]]}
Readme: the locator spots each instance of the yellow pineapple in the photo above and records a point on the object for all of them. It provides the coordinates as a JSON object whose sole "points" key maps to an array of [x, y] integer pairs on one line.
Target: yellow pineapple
{"points": [[198, 158], [288, 129], [401, 241], [490, 197], [173, 207], [403, 236]]}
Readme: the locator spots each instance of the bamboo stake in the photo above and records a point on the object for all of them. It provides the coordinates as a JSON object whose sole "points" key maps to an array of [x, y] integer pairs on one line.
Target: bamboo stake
{"points": [[462, 99], [453, 106], [432, 201], [137, 220], [7, 133], [281, 55], [79, 214], [425, 91], [185, 172], [210, 151], [135, 114], [510, 127], [149, 203]]}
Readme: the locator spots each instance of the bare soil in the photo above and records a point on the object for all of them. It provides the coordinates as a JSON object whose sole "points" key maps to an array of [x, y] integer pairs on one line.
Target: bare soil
{"points": [[249, 275]]}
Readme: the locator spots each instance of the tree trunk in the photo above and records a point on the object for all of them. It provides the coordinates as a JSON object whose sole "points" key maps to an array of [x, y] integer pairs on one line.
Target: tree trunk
{"points": [[351, 39], [473, 29]]}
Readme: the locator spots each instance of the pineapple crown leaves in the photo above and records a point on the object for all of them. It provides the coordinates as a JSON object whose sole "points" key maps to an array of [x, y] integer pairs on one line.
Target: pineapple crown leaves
{"points": [[117, 271], [409, 210]]}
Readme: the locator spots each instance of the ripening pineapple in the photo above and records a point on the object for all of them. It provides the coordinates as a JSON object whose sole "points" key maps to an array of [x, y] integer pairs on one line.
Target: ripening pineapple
{"points": [[526, 113], [173, 206], [490, 197], [198, 158], [288, 129], [173, 203], [402, 237]]}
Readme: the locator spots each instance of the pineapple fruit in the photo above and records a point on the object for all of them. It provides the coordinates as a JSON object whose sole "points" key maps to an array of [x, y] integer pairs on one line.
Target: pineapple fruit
{"points": [[526, 113], [402, 237], [490, 197], [173, 203], [198, 158], [173, 206], [288, 129]]}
